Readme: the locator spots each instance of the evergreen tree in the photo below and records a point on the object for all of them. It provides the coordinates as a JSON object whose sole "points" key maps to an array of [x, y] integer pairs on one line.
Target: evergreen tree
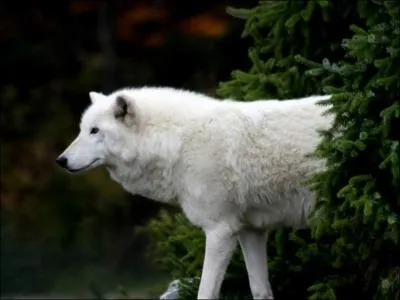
{"points": [[355, 238], [280, 30], [359, 194]]}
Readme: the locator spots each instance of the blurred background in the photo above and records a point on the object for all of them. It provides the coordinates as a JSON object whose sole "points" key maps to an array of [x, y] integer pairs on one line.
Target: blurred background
{"points": [[66, 235]]}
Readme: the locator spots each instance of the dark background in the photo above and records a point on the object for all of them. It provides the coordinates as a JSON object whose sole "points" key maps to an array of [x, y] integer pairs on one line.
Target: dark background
{"points": [[76, 235]]}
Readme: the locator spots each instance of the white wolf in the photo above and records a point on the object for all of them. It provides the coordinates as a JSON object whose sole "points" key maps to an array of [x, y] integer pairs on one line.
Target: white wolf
{"points": [[236, 169]]}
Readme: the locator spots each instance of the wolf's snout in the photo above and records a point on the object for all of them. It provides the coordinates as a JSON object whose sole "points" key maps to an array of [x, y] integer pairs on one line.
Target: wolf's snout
{"points": [[62, 161]]}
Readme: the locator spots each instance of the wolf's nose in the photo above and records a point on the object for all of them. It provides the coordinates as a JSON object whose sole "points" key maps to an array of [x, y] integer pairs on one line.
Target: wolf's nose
{"points": [[62, 161]]}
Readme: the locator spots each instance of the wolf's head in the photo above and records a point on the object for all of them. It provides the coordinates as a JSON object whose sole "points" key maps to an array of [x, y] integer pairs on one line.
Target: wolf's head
{"points": [[108, 130]]}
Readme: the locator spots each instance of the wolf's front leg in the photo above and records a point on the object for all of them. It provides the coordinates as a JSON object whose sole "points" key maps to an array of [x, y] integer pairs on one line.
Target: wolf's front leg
{"points": [[254, 248], [220, 244]]}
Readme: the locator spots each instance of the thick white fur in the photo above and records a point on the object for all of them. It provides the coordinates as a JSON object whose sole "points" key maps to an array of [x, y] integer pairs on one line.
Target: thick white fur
{"points": [[236, 169]]}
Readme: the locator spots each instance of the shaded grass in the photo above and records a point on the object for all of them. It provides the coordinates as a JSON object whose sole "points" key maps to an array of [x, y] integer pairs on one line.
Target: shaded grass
{"points": [[96, 282]]}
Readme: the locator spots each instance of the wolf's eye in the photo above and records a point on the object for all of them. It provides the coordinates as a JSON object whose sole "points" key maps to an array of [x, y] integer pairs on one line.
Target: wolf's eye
{"points": [[94, 130]]}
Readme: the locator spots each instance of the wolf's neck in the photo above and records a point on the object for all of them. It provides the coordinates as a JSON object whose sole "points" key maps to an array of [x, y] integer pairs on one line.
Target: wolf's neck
{"points": [[152, 180]]}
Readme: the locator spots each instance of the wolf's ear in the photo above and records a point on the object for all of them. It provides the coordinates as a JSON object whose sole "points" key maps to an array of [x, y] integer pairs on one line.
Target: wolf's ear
{"points": [[94, 96], [124, 109]]}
